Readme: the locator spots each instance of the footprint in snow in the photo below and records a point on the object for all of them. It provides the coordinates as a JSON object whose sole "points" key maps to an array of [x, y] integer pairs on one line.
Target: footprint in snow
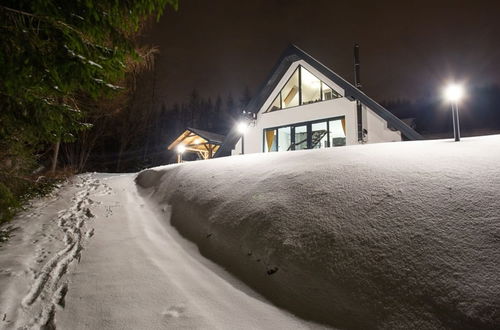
{"points": [[174, 311]]}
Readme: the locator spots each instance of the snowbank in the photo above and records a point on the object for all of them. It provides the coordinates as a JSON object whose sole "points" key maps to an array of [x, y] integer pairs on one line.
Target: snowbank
{"points": [[396, 235]]}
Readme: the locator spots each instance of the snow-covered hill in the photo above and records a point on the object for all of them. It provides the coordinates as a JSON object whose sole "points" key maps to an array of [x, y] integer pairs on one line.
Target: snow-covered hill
{"points": [[387, 236]]}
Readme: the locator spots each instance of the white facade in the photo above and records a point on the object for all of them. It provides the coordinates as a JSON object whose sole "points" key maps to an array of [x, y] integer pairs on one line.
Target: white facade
{"points": [[337, 108]]}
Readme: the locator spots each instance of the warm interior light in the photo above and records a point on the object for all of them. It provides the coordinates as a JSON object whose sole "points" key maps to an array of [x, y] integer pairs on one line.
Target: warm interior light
{"points": [[181, 148], [242, 127], [453, 92], [197, 141]]}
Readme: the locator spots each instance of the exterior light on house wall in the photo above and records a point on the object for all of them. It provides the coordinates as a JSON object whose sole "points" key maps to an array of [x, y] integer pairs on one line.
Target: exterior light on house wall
{"points": [[453, 93], [242, 127]]}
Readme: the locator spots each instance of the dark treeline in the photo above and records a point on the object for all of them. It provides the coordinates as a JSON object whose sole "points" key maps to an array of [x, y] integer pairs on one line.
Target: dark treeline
{"points": [[138, 136]]}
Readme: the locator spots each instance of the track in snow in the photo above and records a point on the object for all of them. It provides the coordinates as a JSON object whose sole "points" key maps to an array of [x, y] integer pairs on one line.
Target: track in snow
{"points": [[139, 273], [135, 271], [49, 288]]}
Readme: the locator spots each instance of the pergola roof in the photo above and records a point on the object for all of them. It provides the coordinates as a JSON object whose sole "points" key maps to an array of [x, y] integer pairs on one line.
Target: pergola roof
{"points": [[196, 140], [209, 136]]}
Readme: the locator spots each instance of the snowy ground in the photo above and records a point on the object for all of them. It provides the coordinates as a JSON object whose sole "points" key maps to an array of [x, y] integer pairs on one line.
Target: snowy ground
{"points": [[386, 236], [97, 255]]}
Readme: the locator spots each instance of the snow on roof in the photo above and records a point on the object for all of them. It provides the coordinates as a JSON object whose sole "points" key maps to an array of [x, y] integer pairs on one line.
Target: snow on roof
{"points": [[391, 235]]}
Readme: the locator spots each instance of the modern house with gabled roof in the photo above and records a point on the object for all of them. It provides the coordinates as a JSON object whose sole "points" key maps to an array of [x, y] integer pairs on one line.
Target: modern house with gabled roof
{"points": [[305, 105]]}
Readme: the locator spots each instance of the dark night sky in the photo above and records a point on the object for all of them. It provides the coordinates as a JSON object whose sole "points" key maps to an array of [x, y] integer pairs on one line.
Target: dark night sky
{"points": [[408, 48]]}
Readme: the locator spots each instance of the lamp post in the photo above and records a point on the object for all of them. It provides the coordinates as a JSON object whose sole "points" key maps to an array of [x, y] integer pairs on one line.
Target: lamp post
{"points": [[242, 128], [453, 94], [180, 150]]}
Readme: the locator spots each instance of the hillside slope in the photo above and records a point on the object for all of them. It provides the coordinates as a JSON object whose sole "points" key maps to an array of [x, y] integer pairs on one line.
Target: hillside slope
{"points": [[387, 236]]}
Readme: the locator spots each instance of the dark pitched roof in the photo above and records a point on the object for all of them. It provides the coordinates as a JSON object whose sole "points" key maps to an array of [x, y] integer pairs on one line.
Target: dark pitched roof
{"points": [[291, 55], [209, 136]]}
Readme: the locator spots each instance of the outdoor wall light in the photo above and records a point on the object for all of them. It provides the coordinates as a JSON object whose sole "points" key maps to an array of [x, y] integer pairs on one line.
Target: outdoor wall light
{"points": [[242, 127]]}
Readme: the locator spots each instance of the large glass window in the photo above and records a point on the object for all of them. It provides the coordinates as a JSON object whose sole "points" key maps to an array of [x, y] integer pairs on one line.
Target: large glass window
{"points": [[311, 87], [337, 132], [284, 138], [300, 137], [312, 135], [270, 140], [319, 135], [302, 88], [328, 93], [290, 92], [276, 105]]}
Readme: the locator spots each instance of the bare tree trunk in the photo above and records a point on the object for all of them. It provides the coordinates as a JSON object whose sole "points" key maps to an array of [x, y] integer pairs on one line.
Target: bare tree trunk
{"points": [[55, 156], [150, 117], [120, 155]]}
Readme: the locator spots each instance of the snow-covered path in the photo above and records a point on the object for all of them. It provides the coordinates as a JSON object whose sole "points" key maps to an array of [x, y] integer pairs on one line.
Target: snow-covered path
{"points": [[135, 272]]}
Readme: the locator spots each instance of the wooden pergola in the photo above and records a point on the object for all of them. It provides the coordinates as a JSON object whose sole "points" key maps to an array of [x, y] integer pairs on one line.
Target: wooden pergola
{"points": [[201, 142]]}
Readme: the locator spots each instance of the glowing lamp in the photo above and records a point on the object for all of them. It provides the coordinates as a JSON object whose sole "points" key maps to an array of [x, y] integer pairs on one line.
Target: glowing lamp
{"points": [[181, 148], [242, 127], [453, 93]]}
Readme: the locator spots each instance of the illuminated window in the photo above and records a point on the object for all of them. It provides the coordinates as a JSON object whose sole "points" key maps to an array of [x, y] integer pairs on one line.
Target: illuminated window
{"points": [[290, 92], [302, 88], [337, 132], [284, 138], [270, 140], [300, 134], [310, 135], [311, 87], [276, 105], [319, 135]]}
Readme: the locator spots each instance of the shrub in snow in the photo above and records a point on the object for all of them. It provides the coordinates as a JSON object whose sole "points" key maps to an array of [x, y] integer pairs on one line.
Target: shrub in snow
{"points": [[397, 235]]}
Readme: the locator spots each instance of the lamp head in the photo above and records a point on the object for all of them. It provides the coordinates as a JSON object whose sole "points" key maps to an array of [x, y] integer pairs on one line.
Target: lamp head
{"points": [[453, 92], [181, 148], [242, 127]]}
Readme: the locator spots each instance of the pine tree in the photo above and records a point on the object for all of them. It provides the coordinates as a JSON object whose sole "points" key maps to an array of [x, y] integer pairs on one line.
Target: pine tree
{"points": [[58, 59]]}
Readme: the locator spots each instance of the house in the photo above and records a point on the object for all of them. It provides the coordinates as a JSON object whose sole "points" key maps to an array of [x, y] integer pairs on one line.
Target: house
{"points": [[305, 105]]}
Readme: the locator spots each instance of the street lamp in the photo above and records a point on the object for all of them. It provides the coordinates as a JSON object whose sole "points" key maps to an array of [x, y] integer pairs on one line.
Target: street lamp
{"points": [[242, 128], [453, 93], [180, 150]]}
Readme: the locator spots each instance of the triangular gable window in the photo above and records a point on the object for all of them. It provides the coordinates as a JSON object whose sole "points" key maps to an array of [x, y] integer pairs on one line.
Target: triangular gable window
{"points": [[302, 88]]}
